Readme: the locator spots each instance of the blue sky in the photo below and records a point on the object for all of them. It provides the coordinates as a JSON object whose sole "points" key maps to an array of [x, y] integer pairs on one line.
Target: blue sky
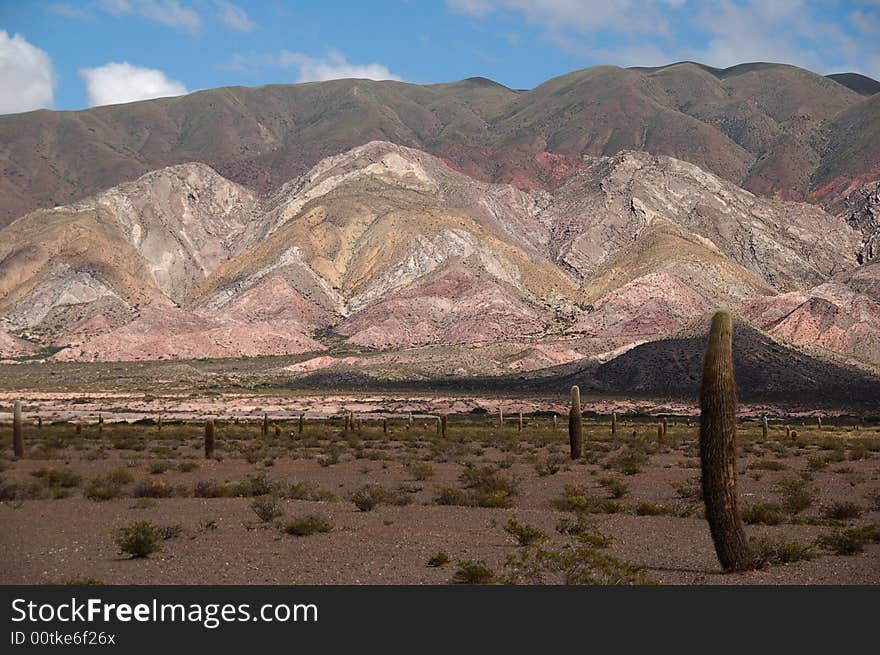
{"points": [[75, 54]]}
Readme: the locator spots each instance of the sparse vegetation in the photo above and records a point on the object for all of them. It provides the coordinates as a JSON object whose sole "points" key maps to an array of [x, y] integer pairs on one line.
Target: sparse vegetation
{"points": [[304, 526], [140, 539]]}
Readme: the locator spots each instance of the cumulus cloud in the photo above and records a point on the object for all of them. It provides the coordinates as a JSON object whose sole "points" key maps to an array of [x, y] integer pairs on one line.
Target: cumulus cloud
{"points": [[26, 75], [233, 16], [166, 12], [333, 66], [115, 83]]}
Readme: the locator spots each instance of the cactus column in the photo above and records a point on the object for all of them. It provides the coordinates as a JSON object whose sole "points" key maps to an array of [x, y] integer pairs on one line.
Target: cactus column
{"points": [[17, 430], [718, 448], [613, 422], [764, 428], [209, 438], [575, 427]]}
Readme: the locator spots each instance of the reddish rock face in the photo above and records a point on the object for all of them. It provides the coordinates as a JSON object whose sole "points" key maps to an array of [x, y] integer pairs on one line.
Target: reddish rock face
{"points": [[386, 248]]}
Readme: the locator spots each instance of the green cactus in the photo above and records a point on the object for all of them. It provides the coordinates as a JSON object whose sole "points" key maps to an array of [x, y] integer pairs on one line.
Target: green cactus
{"points": [[575, 424], [718, 448], [299, 427], [17, 430], [444, 425], [500, 418], [764, 428], [209, 438], [659, 433], [665, 425], [613, 422], [384, 426], [264, 430], [519, 422]]}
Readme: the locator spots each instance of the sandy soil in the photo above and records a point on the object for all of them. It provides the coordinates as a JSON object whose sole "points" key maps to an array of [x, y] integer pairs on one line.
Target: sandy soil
{"points": [[222, 541]]}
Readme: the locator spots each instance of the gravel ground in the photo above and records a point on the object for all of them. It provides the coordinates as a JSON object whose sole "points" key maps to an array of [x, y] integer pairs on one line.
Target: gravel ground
{"points": [[222, 540]]}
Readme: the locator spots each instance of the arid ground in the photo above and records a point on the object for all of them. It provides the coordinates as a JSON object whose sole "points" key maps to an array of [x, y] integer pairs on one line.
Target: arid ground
{"points": [[628, 512]]}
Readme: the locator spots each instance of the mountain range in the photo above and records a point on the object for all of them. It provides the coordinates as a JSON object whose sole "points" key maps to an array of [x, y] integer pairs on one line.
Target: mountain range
{"points": [[570, 225]]}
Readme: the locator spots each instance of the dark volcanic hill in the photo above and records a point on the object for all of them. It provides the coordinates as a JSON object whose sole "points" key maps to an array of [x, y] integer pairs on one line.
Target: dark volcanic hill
{"points": [[773, 129]]}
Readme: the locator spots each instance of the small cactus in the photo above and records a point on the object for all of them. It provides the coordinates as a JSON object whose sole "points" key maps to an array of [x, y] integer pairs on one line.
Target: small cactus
{"points": [[159, 424], [519, 422], [575, 425], [17, 430], [79, 428], [100, 424], [40, 422], [787, 431], [444, 424], [264, 430], [500, 417], [555, 422], [665, 425], [764, 428], [660, 433], [299, 427], [718, 448], [209, 438], [613, 422], [385, 426]]}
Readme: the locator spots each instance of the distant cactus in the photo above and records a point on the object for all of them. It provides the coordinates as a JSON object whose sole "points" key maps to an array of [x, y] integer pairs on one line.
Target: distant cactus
{"points": [[500, 417], [17, 430], [665, 425], [100, 424], [79, 428], [718, 448], [764, 428], [575, 425], [264, 430], [660, 433], [787, 431], [613, 422], [519, 422], [277, 430], [385, 426], [555, 422], [819, 422], [209, 438], [40, 422], [409, 421], [444, 424], [347, 422], [159, 424], [299, 427]]}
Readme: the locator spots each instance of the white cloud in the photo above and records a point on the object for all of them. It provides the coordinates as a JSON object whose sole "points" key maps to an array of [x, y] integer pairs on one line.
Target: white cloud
{"points": [[720, 33], [167, 12], [67, 10], [233, 16], [26, 75], [333, 66], [114, 83]]}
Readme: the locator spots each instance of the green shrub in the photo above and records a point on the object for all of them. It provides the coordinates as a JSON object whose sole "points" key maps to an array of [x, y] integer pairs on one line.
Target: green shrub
{"points": [[763, 514], [151, 489], [525, 535], [650, 509], [629, 462], [310, 491], [574, 500], [771, 551], [842, 510], [616, 488], [797, 494], [266, 508], [370, 496], [303, 526], [139, 539], [420, 470], [851, 541], [58, 477], [438, 559], [471, 572]]}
